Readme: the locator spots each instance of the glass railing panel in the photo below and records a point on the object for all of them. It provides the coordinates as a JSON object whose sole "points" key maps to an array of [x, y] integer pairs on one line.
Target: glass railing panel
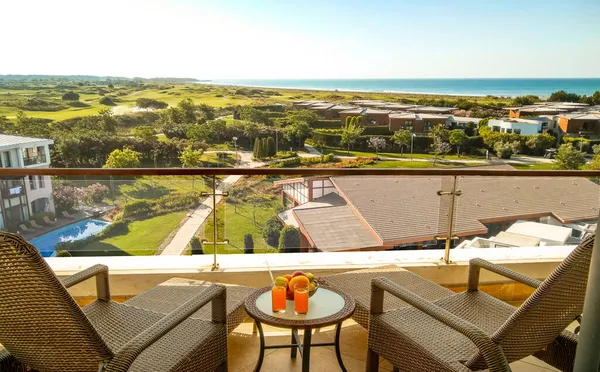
{"points": [[520, 212]]}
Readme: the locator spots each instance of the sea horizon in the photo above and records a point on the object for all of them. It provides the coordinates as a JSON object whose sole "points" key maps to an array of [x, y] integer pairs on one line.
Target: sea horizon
{"points": [[501, 87]]}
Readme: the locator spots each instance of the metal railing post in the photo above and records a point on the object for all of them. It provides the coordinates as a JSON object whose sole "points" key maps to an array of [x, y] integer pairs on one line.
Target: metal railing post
{"points": [[215, 243], [587, 357], [450, 226]]}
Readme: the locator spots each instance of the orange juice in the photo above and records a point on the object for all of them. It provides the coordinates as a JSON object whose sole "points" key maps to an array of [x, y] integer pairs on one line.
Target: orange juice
{"points": [[301, 298], [278, 298]]}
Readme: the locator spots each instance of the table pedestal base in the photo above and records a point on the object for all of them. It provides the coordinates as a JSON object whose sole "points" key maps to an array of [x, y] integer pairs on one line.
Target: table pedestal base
{"points": [[303, 346]]}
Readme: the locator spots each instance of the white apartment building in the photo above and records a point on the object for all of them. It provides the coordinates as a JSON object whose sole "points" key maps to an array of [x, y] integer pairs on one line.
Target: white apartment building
{"points": [[21, 197], [519, 126]]}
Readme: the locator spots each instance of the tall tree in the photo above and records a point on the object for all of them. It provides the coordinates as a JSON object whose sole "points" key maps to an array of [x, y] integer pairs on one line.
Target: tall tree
{"points": [[440, 148], [126, 158], [289, 240], [191, 158], [378, 144], [402, 138], [458, 138], [567, 157], [351, 133], [271, 151]]}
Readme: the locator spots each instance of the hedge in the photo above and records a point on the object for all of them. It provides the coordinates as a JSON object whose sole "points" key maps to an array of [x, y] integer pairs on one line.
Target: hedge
{"points": [[381, 130], [324, 124], [587, 143], [297, 161]]}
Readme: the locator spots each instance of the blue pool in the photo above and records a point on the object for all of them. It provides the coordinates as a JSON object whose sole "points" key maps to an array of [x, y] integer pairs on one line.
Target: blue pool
{"points": [[75, 231]]}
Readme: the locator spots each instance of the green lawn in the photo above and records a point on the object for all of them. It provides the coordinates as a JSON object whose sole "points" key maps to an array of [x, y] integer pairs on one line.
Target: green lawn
{"points": [[341, 152], [151, 187], [234, 226], [536, 166], [418, 164], [143, 238]]}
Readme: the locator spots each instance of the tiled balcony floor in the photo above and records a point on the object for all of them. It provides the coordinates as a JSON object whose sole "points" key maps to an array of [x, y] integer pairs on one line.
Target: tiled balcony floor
{"points": [[244, 347]]}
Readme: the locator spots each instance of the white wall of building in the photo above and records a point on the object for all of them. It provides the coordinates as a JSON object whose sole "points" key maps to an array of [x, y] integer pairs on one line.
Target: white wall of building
{"points": [[510, 126]]}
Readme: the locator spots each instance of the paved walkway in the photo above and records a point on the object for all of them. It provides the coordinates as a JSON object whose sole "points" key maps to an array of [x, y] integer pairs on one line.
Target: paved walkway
{"points": [[185, 233]]}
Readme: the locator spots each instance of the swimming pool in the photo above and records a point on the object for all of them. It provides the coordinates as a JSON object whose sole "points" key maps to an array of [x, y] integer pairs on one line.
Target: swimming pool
{"points": [[75, 231]]}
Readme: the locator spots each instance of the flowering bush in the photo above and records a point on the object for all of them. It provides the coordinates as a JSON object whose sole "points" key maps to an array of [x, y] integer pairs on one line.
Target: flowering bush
{"points": [[95, 193], [65, 197]]}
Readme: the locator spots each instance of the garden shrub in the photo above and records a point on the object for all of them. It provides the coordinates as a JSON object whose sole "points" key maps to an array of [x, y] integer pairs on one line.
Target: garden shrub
{"points": [[248, 244], [289, 240], [196, 246], [271, 231]]}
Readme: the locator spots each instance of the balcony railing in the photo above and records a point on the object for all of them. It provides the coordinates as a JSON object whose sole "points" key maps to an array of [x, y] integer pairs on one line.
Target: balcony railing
{"points": [[33, 160], [170, 211]]}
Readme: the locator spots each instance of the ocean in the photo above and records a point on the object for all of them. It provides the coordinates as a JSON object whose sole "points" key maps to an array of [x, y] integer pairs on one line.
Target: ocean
{"points": [[462, 87]]}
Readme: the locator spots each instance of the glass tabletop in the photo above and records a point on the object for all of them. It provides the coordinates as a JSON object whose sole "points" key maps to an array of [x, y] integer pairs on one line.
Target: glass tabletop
{"points": [[322, 304]]}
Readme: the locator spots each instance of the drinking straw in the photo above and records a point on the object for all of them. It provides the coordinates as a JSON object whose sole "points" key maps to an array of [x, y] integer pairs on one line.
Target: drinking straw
{"points": [[270, 273]]}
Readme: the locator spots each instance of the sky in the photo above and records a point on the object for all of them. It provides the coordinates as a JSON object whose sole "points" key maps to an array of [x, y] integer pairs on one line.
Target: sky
{"points": [[277, 39]]}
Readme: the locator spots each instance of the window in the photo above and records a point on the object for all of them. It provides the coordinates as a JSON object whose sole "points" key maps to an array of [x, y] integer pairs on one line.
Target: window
{"points": [[6, 159], [508, 130], [41, 182], [517, 131], [32, 184]]}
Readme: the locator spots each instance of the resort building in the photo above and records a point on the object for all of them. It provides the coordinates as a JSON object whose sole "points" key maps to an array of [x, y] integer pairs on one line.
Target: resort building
{"points": [[416, 123], [518, 126], [351, 112], [460, 122], [376, 117], [350, 213], [431, 110], [580, 124], [545, 108], [22, 197], [334, 112]]}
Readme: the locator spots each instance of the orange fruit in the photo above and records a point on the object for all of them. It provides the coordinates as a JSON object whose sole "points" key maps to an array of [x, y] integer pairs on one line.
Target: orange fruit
{"points": [[288, 277], [298, 279]]}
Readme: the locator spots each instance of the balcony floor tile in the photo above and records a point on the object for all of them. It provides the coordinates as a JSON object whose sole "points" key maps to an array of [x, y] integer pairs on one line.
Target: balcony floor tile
{"points": [[244, 347]]}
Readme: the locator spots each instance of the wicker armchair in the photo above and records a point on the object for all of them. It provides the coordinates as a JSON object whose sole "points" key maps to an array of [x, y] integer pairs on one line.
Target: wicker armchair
{"points": [[43, 328], [472, 330]]}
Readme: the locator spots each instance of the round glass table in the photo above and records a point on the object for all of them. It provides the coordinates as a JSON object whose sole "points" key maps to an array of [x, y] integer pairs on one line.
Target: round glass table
{"points": [[326, 307]]}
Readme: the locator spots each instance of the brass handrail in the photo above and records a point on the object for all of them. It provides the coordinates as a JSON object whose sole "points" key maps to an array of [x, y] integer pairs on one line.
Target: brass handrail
{"points": [[292, 172]]}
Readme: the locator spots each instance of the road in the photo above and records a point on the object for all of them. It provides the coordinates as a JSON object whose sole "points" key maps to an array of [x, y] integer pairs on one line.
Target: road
{"points": [[187, 231]]}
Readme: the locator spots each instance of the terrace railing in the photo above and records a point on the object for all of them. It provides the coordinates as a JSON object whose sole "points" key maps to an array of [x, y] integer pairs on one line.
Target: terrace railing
{"points": [[369, 209]]}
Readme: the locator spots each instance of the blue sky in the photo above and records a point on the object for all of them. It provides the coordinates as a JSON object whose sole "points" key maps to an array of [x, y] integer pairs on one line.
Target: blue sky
{"points": [[254, 39]]}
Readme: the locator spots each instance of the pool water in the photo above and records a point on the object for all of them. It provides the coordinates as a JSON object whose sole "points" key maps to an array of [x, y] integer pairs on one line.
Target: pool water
{"points": [[75, 231]]}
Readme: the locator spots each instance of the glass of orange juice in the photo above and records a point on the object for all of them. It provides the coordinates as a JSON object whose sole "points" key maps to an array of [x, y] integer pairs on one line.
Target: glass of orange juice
{"points": [[278, 298], [301, 298]]}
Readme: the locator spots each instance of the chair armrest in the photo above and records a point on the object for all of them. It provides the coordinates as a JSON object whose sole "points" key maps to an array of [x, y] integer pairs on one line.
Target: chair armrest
{"points": [[9, 363], [476, 264], [101, 274], [127, 354], [492, 353]]}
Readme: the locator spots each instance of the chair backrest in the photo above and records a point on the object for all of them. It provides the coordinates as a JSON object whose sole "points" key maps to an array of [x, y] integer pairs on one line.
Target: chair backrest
{"points": [[40, 323], [548, 311]]}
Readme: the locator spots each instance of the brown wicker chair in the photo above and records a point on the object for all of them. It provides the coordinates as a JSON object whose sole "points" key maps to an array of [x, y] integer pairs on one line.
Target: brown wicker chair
{"points": [[42, 327], [472, 330]]}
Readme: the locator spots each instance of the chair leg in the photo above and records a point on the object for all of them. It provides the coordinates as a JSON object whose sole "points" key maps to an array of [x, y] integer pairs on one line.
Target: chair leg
{"points": [[222, 367], [372, 364]]}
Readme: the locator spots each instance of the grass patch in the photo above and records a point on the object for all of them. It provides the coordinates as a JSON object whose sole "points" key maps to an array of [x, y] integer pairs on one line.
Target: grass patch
{"points": [[234, 225], [418, 164], [536, 166], [155, 187], [341, 152], [143, 238]]}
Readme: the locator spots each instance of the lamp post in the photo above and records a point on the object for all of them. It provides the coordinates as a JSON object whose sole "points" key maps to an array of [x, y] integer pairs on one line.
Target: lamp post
{"points": [[235, 146], [412, 137]]}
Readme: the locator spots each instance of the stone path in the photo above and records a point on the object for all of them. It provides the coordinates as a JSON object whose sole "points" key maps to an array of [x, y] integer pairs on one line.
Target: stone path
{"points": [[185, 233]]}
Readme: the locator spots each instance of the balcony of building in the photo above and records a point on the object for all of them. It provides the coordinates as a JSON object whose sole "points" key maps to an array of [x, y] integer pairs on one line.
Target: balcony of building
{"points": [[448, 230]]}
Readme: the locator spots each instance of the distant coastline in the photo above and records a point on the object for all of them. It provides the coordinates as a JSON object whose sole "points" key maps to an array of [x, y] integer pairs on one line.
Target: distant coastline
{"points": [[446, 87]]}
